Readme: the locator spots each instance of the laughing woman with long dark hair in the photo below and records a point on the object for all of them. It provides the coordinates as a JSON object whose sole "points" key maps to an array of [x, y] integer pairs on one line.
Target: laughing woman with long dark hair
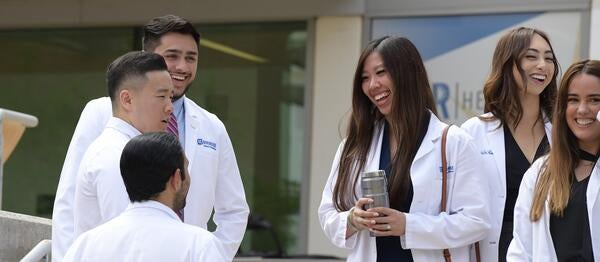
{"points": [[394, 127]]}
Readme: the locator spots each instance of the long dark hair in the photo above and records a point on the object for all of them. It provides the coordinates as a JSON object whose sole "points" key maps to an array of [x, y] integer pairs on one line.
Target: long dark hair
{"points": [[500, 90], [411, 97], [554, 182]]}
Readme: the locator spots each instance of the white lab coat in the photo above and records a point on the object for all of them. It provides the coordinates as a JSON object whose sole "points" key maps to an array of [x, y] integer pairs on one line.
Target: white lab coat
{"points": [[532, 240], [100, 193], [91, 123], [216, 181], [146, 231], [489, 138], [427, 231], [215, 177]]}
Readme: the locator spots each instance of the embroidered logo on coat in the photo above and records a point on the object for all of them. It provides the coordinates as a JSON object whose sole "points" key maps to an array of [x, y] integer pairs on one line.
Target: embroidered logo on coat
{"points": [[450, 169], [205, 143], [487, 152]]}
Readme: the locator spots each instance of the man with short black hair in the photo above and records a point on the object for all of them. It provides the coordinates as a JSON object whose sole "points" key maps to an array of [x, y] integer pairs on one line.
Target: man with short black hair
{"points": [[140, 90], [154, 170]]}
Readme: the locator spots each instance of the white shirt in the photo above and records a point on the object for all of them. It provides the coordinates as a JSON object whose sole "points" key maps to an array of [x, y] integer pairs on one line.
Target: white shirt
{"points": [[532, 241], [146, 231], [427, 230], [91, 123], [489, 139], [215, 185], [100, 193]]}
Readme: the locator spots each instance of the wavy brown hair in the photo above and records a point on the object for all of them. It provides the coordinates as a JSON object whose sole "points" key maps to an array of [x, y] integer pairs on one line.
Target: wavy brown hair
{"points": [[412, 97], [555, 179], [501, 91]]}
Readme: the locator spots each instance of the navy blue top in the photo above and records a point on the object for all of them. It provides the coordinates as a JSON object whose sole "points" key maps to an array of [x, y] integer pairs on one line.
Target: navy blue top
{"points": [[389, 248]]}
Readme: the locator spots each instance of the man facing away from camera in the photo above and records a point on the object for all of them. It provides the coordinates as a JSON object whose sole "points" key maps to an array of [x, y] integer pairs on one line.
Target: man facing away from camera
{"points": [[154, 171]]}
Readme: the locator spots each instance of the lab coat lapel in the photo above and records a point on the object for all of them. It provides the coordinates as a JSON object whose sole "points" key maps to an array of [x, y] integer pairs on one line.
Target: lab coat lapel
{"points": [[592, 200], [434, 132], [191, 132], [548, 130], [495, 139]]}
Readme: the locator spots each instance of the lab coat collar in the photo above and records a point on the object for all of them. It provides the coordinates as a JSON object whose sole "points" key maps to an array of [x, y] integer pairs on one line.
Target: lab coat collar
{"points": [[152, 204], [496, 123], [434, 132], [122, 127], [496, 141]]}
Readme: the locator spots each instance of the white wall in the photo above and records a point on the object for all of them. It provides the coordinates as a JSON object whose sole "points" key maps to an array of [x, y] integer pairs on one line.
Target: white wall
{"points": [[337, 48], [595, 30]]}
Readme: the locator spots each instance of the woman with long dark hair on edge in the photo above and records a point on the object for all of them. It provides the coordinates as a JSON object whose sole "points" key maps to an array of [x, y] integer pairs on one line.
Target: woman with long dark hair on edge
{"points": [[557, 214], [515, 130], [394, 127]]}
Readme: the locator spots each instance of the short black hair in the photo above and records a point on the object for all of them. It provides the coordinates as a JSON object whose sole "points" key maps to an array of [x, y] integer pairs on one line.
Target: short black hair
{"points": [[131, 65], [147, 163], [159, 26]]}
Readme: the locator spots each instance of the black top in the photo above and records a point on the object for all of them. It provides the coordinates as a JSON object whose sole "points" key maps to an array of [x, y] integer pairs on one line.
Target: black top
{"points": [[389, 248], [516, 165], [571, 233]]}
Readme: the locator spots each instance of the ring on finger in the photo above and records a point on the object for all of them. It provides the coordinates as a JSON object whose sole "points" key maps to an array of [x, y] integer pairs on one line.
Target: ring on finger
{"points": [[388, 227]]}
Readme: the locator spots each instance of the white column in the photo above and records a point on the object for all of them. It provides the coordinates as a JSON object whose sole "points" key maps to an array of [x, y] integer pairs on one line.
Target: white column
{"points": [[595, 30], [337, 48]]}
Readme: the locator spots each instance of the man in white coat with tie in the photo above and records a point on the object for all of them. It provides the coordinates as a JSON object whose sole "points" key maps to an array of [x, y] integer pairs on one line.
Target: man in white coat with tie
{"points": [[154, 170], [202, 134]]}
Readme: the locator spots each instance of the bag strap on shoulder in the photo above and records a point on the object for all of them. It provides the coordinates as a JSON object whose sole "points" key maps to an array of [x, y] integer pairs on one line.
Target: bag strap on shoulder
{"points": [[447, 256]]}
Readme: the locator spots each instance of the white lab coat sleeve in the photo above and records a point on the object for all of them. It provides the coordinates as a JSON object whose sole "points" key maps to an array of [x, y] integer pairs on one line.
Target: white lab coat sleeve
{"points": [[91, 123], [334, 222], [112, 195], [231, 208], [468, 219], [521, 246]]}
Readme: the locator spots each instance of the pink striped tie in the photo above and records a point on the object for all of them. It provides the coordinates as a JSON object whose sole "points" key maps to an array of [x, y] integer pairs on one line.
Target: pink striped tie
{"points": [[172, 125], [172, 128]]}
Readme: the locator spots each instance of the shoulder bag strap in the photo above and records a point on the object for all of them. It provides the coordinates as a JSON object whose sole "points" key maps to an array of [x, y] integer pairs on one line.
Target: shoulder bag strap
{"points": [[447, 256]]}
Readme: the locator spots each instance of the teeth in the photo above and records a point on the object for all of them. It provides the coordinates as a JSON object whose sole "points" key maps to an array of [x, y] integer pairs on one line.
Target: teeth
{"points": [[539, 77], [176, 77], [584, 121], [381, 96]]}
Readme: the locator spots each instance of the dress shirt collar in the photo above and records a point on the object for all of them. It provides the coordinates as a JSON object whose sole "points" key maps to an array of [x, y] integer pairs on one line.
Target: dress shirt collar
{"points": [[178, 109], [123, 127]]}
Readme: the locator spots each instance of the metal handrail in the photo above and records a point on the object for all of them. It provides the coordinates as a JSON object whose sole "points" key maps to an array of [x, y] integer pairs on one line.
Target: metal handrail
{"points": [[41, 252], [23, 119]]}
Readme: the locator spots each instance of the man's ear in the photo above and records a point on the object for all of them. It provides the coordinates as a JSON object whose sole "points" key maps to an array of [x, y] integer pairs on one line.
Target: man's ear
{"points": [[125, 100], [175, 180]]}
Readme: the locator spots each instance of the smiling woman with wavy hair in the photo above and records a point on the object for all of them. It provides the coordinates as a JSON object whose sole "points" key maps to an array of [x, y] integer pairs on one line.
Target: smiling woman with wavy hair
{"points": [[515, 130]]}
